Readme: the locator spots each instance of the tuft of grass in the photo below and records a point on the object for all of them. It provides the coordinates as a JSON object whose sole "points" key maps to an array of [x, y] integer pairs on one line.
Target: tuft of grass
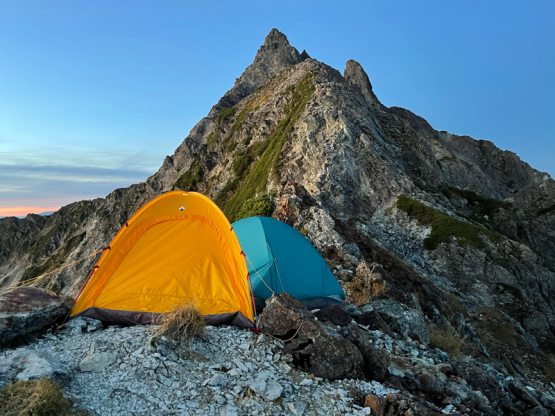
{"points": [[182, 323], [447, 339], [212, 138], [241, 163], [231, 147], [260, 206], [444, 226], [270, 161], [35, 398], [189, 180], [225, 114]]}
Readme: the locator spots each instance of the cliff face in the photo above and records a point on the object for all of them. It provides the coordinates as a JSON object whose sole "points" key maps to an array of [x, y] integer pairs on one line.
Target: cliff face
{"points": [[453, 228]]}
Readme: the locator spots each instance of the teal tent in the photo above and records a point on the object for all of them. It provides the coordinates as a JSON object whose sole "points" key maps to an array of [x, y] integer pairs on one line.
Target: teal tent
{"points": [[280, 259]]}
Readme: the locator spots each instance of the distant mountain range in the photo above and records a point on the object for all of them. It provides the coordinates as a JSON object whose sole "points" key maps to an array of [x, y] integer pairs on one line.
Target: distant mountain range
{"points": [[44, 214]]}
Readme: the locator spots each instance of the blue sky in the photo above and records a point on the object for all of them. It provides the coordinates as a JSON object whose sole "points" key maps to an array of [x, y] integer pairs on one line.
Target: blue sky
{"points": [[94, 94]]}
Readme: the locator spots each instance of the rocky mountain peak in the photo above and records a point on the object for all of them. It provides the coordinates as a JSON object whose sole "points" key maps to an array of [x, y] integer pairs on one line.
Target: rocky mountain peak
{"points": [[276, 37], [275, 55], [355, 75]]}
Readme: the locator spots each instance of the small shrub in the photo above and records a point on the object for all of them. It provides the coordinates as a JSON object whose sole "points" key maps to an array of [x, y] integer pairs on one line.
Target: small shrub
{"points": [[240, 164], [182, 323], [447, 339], [189, 180], [246, 141], [35, 398], [261, 206], [379, 290]]}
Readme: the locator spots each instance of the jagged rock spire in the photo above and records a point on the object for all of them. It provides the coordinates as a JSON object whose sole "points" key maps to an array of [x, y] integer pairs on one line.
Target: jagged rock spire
{"points": [[355, 75], [275, 55]]}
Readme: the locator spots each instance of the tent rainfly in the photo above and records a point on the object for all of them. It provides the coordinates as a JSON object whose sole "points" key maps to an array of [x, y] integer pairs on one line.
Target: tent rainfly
{"points": [[280, 259], [177, 248]]}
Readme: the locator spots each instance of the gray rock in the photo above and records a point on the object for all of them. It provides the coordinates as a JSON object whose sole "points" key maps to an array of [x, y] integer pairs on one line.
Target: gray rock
{"points": [[26, 310], [93, 325], [165, 350], [537, 411], [230, 410], [32, 365], [97, 361], [356, 76], [297, 408], [402, 319], [273, 390]]}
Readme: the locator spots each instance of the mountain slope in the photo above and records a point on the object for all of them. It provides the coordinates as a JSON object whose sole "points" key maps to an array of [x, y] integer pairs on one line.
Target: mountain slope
{"points": [[454, 228]]}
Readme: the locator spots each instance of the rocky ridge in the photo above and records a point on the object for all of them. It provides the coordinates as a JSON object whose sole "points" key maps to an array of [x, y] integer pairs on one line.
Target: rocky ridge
{"points": [[454, 229], [231, 371]]}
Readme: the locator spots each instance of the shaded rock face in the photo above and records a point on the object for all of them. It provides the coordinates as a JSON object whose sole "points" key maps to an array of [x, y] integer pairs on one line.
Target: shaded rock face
{"points": [[338, 163], [26, 310], [315, 348], [355, 75], [407, 322], [334, 314]]}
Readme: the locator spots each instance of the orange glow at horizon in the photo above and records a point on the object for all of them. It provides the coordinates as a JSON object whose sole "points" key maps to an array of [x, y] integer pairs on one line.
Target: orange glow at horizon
{"points": [[22, 211]]}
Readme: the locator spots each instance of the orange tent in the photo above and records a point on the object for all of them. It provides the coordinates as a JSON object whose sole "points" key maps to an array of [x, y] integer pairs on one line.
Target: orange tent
{"points": [[177, 248]]}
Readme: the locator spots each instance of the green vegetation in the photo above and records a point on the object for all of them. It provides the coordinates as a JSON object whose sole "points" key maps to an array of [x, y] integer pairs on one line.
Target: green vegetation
{"points": [[255, 180], [223, 195], [188, 181], [231, 146], [237, 124], [259, 206], [212, 138], [478, 204], [241, 163], [246, 141], [443, 225], [547, 210], [36, 398], [225, 114]]}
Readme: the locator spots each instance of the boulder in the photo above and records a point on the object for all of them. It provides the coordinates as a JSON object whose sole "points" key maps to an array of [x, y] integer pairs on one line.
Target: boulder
{"points": [[537, 411], [374, 321], [334, 314], [26, 310], [376, 361], [315, 348], [26, 365], [479, 379], [522, 393], [402, 320]]}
